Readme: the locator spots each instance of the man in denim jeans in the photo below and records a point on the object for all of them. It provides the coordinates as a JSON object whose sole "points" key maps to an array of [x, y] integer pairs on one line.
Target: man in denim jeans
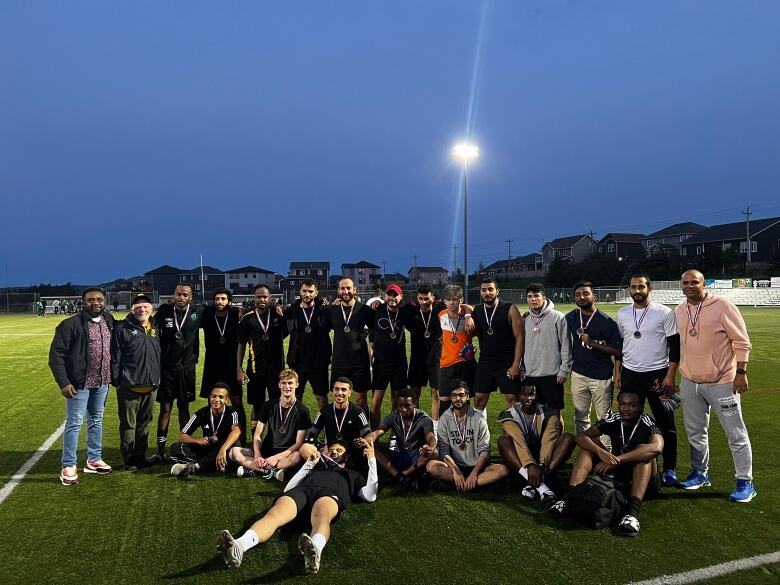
{"points": [[80, 360]]}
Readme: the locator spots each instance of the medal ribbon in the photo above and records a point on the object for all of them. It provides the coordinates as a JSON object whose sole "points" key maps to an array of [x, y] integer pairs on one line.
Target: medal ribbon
{"points": [[641, 317], [693, 320], [403, 428], [183, 321], [267, 322], [585, 325], [490, 320], [428, 322], [631, 436], [224, 327], [457, 426], [344, 314], [539, 320], [289, 412], [306, 316], [454, 327], [336, 418], [211, 416], [392, 321]]}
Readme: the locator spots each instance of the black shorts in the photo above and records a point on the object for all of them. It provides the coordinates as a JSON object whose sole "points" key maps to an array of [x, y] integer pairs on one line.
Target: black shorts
{"points": [[236, 388], [258, 385], [491, 376], [177, 385], [390, 373], [422, 374], [267, 450], [450, 376], [465, 469], [641, 383], [317, 379], [623, 475], [360, 378], [548, 391], [305, 497]]}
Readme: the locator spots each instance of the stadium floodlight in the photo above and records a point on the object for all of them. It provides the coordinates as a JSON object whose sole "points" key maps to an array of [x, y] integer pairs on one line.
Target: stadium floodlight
{"points": [[465, 152]]}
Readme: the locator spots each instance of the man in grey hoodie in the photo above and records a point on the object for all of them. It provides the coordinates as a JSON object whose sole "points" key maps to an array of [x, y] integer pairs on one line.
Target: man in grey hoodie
{"points": [[464, 446], [547, 358]]}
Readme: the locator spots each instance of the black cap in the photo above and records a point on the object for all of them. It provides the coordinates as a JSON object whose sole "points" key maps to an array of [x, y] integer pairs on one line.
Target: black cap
{"points": [[141, 299]]}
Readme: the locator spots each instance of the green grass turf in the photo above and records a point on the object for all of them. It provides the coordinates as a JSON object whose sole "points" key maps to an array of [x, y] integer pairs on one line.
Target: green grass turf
{"points": [[147, 527]]}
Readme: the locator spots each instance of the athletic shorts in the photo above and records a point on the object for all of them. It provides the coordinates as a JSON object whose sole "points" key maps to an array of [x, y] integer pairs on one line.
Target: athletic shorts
{"points": [[641, 383], [422, 374], [492, 376], [403, 461], [360, 378], [305, 496], [623, 475], [257, 387], [390, 373], [450, 376], [317, 379], [177, 385], [465, 469], [267, 449], [548, 391]]}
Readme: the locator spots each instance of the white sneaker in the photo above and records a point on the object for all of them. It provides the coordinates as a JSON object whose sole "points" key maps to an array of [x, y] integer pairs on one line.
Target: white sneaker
{"points": [[279, 475], [311, 556], [231, 549], [628, 526], [529, 493]]}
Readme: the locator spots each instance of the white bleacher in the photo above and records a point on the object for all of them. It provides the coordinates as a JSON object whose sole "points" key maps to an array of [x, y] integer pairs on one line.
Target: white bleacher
{"points": [[752, 297]]}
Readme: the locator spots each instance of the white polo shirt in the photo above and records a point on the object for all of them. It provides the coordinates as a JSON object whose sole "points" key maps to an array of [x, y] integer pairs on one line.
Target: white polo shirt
{"points": [[649, 352]]}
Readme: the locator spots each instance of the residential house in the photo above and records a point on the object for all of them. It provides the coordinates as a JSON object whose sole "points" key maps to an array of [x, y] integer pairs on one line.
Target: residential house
{"points": [[163, 279], [764, 240], [572, 248], [518, 267], [673, 235], [625, 247], [319, 271], [433, 275], [204, 280], [246, 278], [363, 273]]}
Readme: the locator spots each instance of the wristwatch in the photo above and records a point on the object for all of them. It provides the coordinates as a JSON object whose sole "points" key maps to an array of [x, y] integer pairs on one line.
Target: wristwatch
{"points": [[742, 371]]}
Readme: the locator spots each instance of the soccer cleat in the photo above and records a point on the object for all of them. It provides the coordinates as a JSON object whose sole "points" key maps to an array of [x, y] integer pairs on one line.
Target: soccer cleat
{"points": [[529, 493], [628, 526], [267, 474], [311, 556], [231, 549], [183, 470], [558, 508], [245, 472], [744, 493], [695, 480], [69, 475], [279, 474], [669, 477], [547, 499], [100, 467]]}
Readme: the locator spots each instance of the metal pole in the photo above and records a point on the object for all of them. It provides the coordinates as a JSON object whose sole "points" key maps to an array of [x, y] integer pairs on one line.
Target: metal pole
{"points": [[465, 231]]}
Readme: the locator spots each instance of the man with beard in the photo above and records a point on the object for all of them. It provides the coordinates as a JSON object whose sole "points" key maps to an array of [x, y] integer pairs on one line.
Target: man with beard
{"points": [[499, 328], [341, 420], [261, 334], [420, 320], [595, 341], [456, 363], [220, 333], [389, 355], [349, 320], [80, 360], [547, 357], [651, 352], [714, 355], [464, 446], [179, 326], [631, 461], [322, 488], [309, 349]]}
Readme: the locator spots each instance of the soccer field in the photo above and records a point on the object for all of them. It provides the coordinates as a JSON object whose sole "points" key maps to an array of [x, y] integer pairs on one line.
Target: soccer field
{"points": [[149, 527]]}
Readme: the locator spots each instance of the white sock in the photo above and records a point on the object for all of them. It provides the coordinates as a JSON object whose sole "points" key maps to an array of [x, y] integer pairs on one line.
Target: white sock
{"points": [[542, 486], [524, 473], [319, 541], [249, 540]]}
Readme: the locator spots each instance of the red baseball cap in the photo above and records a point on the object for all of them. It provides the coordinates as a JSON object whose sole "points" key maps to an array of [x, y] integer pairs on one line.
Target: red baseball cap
{"points": [[394, 288]]}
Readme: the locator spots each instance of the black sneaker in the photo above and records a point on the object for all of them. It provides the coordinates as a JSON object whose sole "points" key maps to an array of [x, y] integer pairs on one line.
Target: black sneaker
{"points": [[558, 508], [245, 472]]}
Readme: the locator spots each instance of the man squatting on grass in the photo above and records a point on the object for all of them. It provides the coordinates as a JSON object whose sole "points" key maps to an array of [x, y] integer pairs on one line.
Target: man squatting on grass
{"points": [[323, 487]]}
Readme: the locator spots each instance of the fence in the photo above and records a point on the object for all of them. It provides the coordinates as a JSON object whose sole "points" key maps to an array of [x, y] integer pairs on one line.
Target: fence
{"points": [[18, 303]]}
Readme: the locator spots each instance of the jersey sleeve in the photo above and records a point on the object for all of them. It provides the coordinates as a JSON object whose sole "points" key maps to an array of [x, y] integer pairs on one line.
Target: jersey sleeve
{"points": [[265, 411], [387, 422], [245, 328], [304, 420], [670, 323]]}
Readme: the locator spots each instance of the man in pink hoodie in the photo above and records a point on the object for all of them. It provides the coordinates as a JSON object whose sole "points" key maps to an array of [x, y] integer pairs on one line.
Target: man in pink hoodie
{"points": [[714, 349]]}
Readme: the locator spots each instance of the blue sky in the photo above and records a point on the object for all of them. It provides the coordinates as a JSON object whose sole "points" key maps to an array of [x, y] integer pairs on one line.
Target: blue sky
{"points": [[147, 133]]}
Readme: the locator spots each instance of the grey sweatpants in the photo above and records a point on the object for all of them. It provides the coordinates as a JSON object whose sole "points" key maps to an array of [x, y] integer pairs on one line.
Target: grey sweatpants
{"points": [[697, 400]]}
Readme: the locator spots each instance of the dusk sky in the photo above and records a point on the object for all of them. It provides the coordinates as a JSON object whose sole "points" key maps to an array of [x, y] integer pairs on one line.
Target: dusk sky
{"points": [[136, 134]]}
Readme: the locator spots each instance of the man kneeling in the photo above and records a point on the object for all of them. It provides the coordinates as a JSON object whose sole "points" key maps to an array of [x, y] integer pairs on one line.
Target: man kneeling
{"points": [[636, 442], [464, 446], [220, 431], [534, 444], [324, 487], [415, 441]]}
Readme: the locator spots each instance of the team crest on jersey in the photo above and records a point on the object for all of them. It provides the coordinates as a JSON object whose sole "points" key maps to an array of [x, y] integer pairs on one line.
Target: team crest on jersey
{"points": [[194, 317]]}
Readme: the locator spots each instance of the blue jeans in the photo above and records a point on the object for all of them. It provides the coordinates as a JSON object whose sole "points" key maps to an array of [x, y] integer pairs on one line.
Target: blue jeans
{"points": [[91, 401]]}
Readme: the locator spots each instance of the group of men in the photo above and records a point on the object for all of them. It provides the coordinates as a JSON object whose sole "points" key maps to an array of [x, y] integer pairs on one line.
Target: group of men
{"points": [[526, 357]]}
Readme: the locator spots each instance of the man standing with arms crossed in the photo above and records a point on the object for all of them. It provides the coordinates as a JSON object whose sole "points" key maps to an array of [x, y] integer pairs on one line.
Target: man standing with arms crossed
{"points": [[651, 352], [80, 360], [714, 353]]}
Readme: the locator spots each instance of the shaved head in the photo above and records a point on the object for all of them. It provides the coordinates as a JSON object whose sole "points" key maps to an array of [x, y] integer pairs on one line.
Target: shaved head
{"points": [[694, 273], [692, 285]]}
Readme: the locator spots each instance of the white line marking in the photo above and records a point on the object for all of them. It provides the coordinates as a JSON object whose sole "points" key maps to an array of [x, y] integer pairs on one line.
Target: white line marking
{"points": [[713, 571], [28, 465]]}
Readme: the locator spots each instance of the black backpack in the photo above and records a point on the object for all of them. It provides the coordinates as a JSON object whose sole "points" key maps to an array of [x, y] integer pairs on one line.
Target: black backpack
{"points": [[597, 502]]}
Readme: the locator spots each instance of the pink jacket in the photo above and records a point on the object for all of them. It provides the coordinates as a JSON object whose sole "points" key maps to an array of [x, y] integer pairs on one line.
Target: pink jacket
{"points": [[721, 340]]}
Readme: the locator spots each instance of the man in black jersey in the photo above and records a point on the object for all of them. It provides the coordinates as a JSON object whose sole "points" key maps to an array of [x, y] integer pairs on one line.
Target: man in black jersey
{"points": [[499, 328], [220, 431], [322, 488], [261, 334], [287, 421], [220, 334], [179, 325], [389, 355], [415, 441], [420, 319], [341, 420], [309, 348], [349, 320], [636, 443]]}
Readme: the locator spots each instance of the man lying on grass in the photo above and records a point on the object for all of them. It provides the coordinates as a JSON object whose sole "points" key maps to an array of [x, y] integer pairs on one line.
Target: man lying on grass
{"points": [[323, 488]]}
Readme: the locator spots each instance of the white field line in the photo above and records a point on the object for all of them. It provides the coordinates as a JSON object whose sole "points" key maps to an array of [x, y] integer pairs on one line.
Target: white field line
{"points": [[713, 571], [28, 465]]}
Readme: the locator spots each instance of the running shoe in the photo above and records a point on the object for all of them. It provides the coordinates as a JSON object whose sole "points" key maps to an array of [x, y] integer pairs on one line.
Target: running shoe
{"points": [[69, 475], [628, 526], [669, 477], [183, 470], [100, 467], [695, 480], [744, 493], [245, 472]]}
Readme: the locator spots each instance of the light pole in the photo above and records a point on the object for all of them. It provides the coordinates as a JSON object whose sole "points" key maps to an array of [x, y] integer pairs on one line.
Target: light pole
{"points": [[465, 152]]}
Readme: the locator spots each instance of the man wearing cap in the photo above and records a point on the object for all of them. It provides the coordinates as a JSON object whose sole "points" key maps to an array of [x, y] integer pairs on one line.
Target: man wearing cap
{"points": [[80, 360], [135, 371], [389, 356]]}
